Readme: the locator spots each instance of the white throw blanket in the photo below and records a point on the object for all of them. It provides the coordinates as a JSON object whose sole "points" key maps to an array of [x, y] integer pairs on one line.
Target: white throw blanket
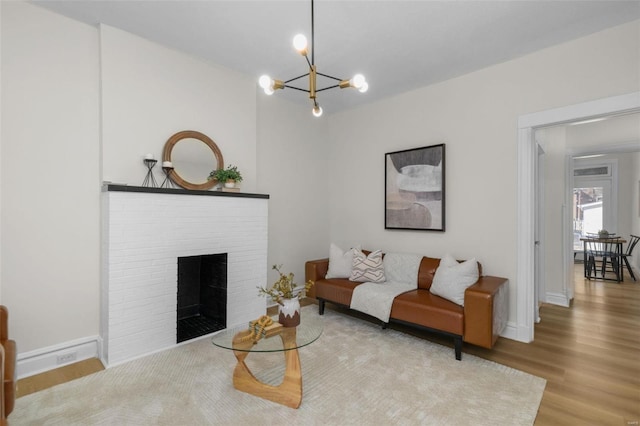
{"points": [[376, 299]]}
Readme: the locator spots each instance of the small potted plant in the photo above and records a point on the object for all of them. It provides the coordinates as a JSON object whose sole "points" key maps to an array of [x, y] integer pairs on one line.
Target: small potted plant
{"points": [[229, 176], [283, 293]]}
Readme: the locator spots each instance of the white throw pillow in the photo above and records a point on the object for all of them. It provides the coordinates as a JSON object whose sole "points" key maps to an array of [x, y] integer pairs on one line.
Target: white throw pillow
{"points": [[453, 278], [368, 269], [340, 262], [402, 268]]}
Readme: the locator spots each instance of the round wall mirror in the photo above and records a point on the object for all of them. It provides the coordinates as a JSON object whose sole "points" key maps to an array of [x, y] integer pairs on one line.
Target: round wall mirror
{"points": [[193, 155]]}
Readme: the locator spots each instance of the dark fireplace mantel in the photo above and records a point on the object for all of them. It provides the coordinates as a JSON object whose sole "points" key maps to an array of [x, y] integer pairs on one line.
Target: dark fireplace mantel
{"points": [[110, 187]]}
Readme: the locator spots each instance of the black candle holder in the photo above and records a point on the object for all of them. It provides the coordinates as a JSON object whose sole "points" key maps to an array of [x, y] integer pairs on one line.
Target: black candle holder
{"points": [[150, 180], [168, 182]]}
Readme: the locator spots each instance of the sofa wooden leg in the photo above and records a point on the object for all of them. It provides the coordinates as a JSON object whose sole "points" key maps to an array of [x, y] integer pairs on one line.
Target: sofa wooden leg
{"points": [[320, 306], [384, 325], [457, 342]]}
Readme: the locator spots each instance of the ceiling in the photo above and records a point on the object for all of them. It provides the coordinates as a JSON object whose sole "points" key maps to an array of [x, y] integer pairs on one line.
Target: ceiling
{"points": [[398, 45]]}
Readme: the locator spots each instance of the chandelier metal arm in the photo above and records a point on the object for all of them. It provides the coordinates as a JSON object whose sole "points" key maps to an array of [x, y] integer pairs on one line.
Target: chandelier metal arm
{"points": [[297, 88], [296, 78], [327, 88], [329, 76]]}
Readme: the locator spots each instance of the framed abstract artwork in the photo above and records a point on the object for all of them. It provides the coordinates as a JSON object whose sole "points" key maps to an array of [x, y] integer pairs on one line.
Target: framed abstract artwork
{"points": [[414, 195]]}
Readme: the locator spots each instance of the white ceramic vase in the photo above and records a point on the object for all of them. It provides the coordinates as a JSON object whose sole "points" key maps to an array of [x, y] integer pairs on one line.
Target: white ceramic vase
{"points": [[230, 184], [289, 312]]}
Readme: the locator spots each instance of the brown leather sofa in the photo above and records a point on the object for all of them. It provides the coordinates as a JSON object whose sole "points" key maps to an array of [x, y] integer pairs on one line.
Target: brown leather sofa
{"points": [[8, 367], [479, 322]]}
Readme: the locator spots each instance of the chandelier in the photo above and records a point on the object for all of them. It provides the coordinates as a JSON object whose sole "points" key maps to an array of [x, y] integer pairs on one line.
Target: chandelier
{"points": [[300, 44]]}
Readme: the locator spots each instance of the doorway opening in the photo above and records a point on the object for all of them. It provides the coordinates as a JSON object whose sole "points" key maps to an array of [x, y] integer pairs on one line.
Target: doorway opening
{"points": [[526, 214]]}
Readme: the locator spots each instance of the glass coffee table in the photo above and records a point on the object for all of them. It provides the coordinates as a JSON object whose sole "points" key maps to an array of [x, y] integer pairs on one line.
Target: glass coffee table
{"points": [[275, 338]]}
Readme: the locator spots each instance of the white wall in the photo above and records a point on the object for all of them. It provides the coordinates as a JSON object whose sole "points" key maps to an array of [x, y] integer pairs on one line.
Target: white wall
{"points": [[78, 100], [293, 170], [476, 116], [1, 95], [50, 176], [150, 92], [635, 207], [553, 142], [613, 132], [626, 186]]}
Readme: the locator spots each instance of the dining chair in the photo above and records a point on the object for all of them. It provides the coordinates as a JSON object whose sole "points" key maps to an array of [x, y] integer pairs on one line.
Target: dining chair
{"points": [[627, 253], [594, 255], [611, 257], [603, 255]]}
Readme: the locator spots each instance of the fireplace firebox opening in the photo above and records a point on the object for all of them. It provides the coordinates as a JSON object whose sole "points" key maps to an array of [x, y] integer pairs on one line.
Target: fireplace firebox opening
{"points": [[202, 295]]}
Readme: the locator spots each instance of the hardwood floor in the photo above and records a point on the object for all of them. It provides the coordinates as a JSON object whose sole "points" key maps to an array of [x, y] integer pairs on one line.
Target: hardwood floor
{"points": [[588, 353], [60, 375]]}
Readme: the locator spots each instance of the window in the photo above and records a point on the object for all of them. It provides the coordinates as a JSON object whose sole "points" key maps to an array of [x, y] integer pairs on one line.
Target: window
{"points": [[587, 213], [594, 198]]}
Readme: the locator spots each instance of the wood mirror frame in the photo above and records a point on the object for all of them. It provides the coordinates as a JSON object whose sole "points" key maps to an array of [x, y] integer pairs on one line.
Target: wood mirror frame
{"points": [[175, 176]]}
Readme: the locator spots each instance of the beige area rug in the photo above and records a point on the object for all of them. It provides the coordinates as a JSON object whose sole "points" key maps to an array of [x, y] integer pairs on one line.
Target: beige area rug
{"points": [[356, 373]]}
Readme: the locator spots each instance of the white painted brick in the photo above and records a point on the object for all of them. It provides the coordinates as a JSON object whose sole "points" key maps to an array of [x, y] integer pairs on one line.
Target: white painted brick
{"points": [[144, 235]]}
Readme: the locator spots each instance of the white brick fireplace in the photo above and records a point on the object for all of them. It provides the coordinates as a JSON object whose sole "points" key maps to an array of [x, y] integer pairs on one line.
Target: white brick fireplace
{"points": [[145, 230]]}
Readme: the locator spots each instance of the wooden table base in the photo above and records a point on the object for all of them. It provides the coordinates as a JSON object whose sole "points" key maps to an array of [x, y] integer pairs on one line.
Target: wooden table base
{"points": [[289, 392]]}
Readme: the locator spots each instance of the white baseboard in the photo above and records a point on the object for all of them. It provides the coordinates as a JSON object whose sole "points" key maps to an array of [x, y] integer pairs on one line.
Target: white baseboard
{"points": [[559, 299], [45, 359], [510, 331]]}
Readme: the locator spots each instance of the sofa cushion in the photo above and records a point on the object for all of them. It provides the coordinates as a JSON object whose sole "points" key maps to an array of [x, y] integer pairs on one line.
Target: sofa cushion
{"points": [[423, 308], [340, 262], [367, 268], [335, 290], [452, 278]]}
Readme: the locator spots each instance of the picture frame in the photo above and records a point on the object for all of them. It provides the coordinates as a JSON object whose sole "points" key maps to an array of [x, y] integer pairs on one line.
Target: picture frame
{"points": [[414, 194]]}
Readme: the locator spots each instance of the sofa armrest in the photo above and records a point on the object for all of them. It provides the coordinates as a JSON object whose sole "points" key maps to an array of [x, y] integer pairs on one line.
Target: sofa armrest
{"points": [[485, 311], [9, 377], [9, 358], [315, 270], [2, 409], [4, 323]]}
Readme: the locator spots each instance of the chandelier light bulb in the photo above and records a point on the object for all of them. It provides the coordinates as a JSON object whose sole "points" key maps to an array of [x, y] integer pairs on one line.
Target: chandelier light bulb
{"points": [[268, 90], [317, 111], [300, 43], [265, 82], [358, 80], [364, 87]]}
